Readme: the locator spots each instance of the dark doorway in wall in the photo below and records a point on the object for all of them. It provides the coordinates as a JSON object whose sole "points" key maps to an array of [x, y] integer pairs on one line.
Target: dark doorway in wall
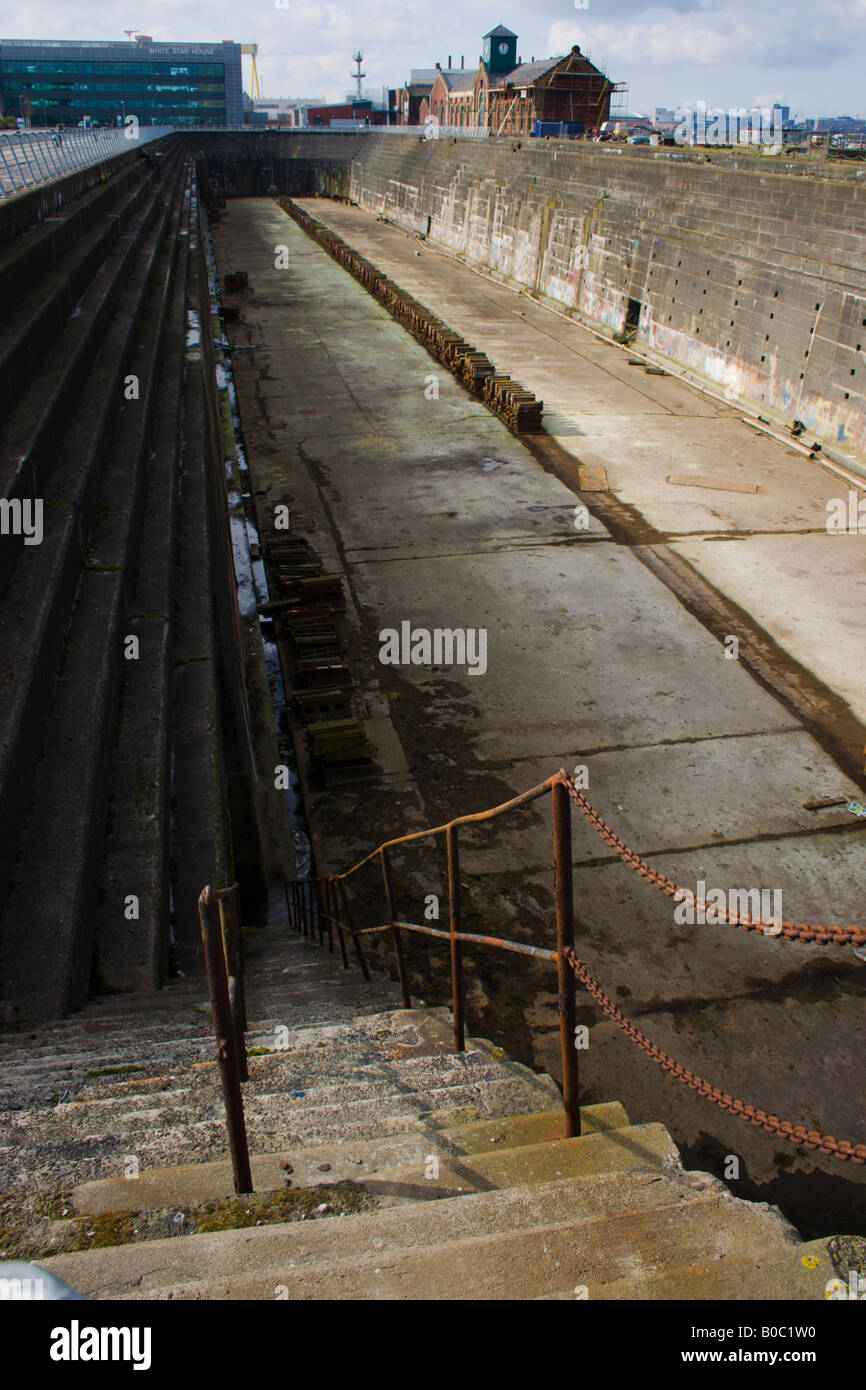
{"points": [[632, 313]]}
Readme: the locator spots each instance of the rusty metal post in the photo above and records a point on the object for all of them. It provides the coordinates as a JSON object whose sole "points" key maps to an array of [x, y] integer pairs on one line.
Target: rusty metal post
{"points": [[289, 891], [223, 1027], [325, 900], [350, 920], [318, 920], [311, 894], [306, 900], [242, 962], [234, 936], [395, 930], [296, 906], [236, 1005], [456, 944], [335, 913], [564, 888], [229, 912]]}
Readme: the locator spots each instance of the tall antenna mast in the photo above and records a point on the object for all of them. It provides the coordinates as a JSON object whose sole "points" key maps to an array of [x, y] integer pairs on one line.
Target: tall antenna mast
{"points": [[358, 59]]}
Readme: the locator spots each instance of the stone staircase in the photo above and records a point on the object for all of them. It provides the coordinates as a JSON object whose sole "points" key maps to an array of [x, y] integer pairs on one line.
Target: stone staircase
{"points": [[111, 661], [385, 1165]]}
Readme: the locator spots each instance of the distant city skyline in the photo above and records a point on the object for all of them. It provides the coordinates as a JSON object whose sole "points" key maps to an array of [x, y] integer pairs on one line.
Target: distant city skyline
{"points": [[805, 56]]}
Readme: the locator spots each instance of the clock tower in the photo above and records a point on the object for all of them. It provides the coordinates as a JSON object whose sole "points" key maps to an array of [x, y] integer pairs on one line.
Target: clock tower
{"points": [[500, 50]]}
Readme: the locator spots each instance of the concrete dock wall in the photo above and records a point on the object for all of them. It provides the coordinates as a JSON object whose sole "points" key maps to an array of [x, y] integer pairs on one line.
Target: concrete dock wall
{"points": [[749, 273], [753, 279]]}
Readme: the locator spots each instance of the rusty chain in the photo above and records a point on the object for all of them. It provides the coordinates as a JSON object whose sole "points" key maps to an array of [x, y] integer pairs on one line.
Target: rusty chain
{"points": [[790, 931], [795, 1134]]}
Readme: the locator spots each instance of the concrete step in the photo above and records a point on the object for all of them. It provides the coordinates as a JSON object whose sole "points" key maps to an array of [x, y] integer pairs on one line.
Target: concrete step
{"points": [[38, 600], [29, 329], [105, 1041], [48, 927], [620, 1150], [182, 1120], [134, 953], [323, 1079], [108, 1038], [337, 1162], [520, 1242], [31, 436], [163, 1135], [797, 1272], [25, 261]]}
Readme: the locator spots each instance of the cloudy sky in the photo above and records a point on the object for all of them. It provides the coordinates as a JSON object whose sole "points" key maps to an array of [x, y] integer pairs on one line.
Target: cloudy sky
{"points": [[807, 54]]}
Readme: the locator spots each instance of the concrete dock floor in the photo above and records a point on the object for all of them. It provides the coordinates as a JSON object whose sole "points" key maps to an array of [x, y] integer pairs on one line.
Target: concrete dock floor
{"points": [[767, 551], [437, 515]]}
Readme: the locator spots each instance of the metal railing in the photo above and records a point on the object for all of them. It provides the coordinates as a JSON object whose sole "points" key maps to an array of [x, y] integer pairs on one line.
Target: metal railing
{"points": [[317, 902], [220, 918], [32, 157], [320, 905]]}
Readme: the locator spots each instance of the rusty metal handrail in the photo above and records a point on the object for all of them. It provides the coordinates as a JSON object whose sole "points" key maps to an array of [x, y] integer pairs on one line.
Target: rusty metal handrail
{"points": [[300, 896], [519, 947], [219, 915], [532, 795], [313, 902]]}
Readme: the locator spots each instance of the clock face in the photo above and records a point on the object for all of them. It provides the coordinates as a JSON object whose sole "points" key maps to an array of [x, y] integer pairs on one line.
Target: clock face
{"points": [[503, 48]]}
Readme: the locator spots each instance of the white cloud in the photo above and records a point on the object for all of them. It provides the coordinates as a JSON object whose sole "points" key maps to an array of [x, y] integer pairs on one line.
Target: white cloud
{"points": [[812, 50], [678, 39]]}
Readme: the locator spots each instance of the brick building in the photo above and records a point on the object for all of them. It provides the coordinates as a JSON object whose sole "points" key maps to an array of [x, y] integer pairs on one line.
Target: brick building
{"points": [[414, 92], [359, 110], [569, 90], [507, 96], [452, 98]]}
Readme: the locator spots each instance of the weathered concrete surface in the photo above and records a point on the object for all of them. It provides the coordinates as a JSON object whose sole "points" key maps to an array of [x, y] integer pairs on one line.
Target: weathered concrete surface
{"points": [[747, 272], [520, 1242], [804, 587], [196, 1182], [591, 659], [514, 1210]]}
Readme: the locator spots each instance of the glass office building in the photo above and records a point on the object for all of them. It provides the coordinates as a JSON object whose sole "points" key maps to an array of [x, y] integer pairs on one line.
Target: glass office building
{"points": [[56, 82]]}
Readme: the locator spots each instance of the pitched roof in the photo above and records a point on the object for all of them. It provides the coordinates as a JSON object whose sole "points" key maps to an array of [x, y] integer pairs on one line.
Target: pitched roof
{"points": [[423, 75], [580, 62], [461, 81], [500, 32], [527, 73]]}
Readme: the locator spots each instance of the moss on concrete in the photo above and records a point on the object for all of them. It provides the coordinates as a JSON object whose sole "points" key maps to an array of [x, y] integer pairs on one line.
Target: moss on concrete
{"points": [[34, 1226]]}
